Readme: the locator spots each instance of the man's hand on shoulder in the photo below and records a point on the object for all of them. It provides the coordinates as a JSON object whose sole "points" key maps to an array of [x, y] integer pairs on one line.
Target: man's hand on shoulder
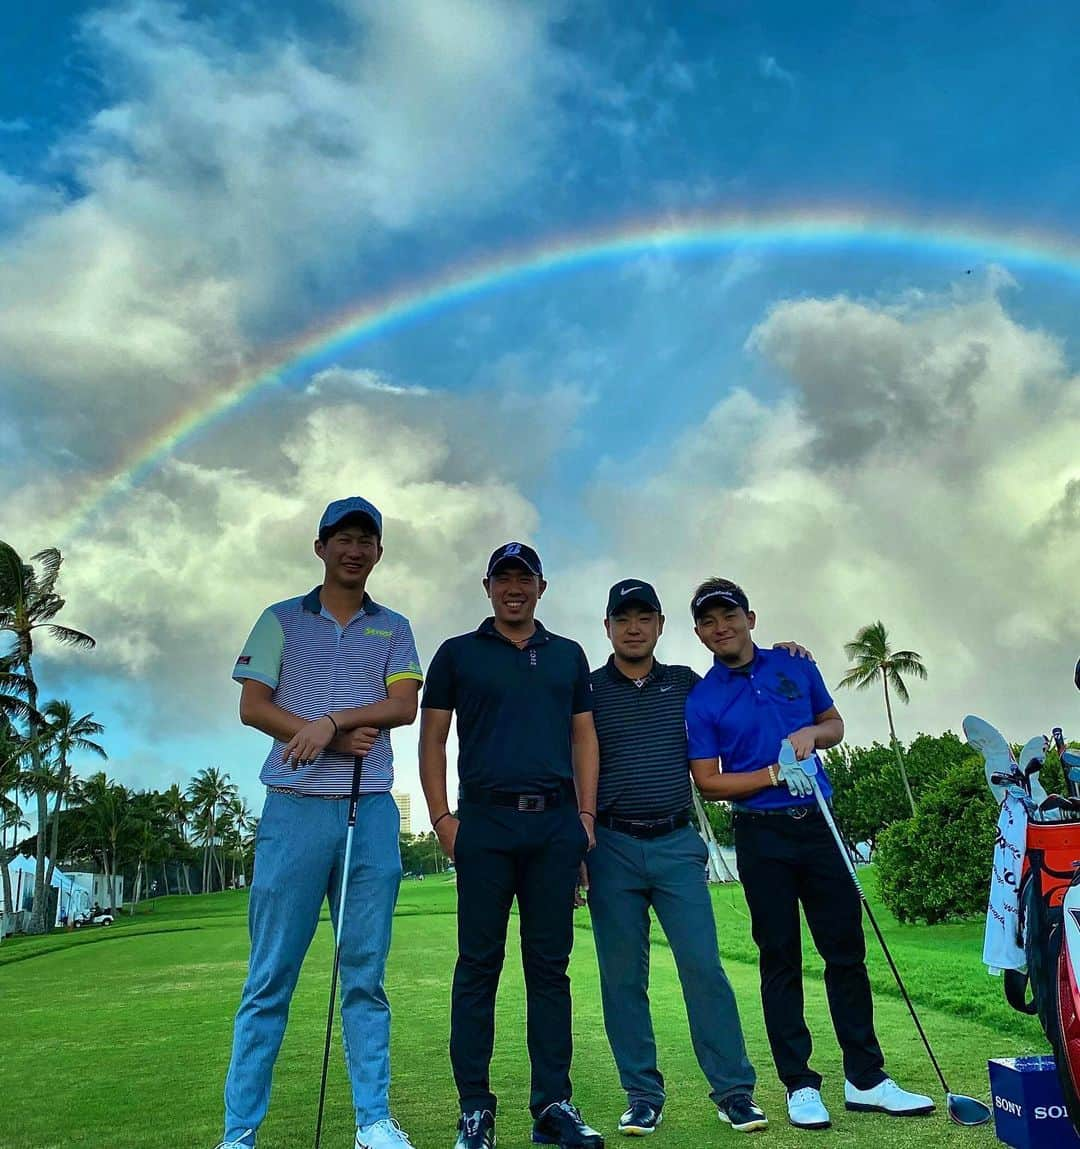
{"points": [[794, 649]]}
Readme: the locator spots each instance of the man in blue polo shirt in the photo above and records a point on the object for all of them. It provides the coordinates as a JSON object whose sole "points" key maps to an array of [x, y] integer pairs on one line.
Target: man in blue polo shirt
{"points": [[527, 766], [737, 716], [327, 676]]}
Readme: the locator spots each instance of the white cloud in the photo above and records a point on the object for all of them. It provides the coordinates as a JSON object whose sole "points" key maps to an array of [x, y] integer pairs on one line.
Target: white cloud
{"points": [[218, 178], [921, 469], [769, 69]]}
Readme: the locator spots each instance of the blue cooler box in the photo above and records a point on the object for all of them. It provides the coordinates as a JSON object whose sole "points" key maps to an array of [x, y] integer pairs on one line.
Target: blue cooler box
{"points": [[1029, 1112]]}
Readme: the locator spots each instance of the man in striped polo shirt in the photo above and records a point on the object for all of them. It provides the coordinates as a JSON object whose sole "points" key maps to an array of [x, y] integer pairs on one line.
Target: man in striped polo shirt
{"points": [[326, 675], [649, 854]]}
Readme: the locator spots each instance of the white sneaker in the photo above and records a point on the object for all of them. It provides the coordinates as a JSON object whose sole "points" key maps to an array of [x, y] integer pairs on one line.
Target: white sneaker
{"points": [[806, 1110], [247, 1141], [384, 1134], [887, 1097]]}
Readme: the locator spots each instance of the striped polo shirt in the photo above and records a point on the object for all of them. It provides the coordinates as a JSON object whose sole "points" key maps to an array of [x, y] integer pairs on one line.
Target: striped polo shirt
{"points": [[644, 768], [313, 665]]}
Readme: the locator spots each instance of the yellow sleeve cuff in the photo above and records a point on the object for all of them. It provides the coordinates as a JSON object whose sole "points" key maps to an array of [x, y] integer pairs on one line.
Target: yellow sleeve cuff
{"points": [[403, 676]]}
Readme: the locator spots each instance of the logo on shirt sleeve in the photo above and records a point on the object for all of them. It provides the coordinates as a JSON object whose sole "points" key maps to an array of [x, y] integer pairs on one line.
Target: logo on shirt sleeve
{"points": [[244, 660]]}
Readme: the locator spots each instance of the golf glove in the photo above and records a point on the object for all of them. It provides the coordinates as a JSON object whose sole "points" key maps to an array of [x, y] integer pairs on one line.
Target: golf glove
{"points": [[795, 774]]}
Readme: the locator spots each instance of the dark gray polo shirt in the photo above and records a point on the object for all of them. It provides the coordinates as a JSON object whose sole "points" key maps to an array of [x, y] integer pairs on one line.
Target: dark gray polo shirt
{"points": [[644, 768], [513, 706]]}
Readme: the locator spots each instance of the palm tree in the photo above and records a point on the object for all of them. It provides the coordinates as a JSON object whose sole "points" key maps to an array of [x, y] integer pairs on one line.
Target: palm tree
{"points": [[109, 822], [209, 791], [241, 823], [177, 810], [874, 658], [66, 734], [12, 751], [29, 601]]}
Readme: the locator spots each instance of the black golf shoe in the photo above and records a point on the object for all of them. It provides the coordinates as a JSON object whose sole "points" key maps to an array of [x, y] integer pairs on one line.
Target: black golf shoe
{"points": [[561, 1124], [476, 1130], [640, 1119], [740, 1112]]}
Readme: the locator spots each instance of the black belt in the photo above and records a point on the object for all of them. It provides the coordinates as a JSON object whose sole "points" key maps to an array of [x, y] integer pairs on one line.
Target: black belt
{"points": [[531, 803], [644, 828], [796, 812]]}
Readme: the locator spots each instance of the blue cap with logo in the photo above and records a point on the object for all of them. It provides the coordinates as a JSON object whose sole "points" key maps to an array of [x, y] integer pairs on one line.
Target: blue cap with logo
{"points": [[520, 553], [341, 509]]}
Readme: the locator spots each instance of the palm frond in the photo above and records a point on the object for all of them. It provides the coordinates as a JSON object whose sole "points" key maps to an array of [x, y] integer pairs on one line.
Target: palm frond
{"points": [[50, 561], [66, 636]]}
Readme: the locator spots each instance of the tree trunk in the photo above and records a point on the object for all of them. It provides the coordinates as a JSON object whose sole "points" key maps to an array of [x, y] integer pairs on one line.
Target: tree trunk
{"points": [[39, 916], [896, 745], [165, 877], [5, 877], [187, 878], [54, 824]]}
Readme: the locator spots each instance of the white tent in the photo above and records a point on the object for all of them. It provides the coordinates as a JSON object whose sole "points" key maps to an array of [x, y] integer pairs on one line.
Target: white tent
{"points": [[72, 896]]}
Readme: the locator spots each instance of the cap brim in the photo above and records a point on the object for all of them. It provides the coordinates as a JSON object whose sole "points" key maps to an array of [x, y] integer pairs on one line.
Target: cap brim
{"points": [[513, 561], [634, 600]]}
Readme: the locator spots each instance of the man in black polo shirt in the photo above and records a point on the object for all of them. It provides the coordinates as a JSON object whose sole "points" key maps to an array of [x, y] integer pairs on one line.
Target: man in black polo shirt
{"points": [[526, 743], [648, 854]]}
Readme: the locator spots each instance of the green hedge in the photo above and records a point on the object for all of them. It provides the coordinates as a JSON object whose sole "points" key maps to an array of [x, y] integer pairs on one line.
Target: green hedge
{"points": [[936, 865]]}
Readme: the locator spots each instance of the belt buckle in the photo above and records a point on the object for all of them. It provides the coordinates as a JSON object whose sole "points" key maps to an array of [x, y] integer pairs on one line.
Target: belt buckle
{"points": [[529, 803], [798, 812]]}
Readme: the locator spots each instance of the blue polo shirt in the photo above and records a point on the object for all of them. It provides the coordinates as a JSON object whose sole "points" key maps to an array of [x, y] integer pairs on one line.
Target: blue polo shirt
{"points": [[741, 716], [313, 665]]}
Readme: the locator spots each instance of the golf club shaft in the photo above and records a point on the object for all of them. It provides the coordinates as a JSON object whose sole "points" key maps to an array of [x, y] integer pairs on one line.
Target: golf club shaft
{"points": [[827, 815], [354, 800]]}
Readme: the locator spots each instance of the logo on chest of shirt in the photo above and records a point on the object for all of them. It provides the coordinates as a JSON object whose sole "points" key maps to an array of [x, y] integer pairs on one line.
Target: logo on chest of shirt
{"points": [[376, 632], [532, 656], [786, 688]]}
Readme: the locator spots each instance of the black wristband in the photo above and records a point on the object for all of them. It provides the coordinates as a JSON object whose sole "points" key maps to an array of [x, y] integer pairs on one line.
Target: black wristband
{"points": [[439, 819], [332, 723]]}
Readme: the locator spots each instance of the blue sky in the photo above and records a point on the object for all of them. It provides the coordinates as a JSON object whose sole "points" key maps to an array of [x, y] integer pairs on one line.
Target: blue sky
{"points": [[855, 431]]}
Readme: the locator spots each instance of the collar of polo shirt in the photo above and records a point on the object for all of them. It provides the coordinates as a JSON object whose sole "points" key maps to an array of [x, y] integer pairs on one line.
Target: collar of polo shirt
{"points": [[657, 674], [488, 629], [313, 604]]}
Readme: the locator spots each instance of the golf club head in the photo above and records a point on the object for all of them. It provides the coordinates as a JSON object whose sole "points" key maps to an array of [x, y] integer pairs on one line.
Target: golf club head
{"points": [[1032, 757], [991, 744], [966, 1110]]}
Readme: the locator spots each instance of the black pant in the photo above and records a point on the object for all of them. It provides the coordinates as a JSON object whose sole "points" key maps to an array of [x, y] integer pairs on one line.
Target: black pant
{"points": [[784, 861], [501, 853]]}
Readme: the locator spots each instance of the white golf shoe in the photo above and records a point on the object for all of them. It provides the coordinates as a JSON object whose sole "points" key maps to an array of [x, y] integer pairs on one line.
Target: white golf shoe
{"points": [[886, 1097], [247, 1141], [384, 1134], [806, 1110]]}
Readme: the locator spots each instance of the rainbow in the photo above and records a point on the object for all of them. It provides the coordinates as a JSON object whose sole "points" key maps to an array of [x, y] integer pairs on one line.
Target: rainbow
{"points": [[674, 236]]}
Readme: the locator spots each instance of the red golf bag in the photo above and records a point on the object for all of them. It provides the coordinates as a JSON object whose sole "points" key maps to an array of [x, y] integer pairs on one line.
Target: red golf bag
{"points": [[1050, 929]]}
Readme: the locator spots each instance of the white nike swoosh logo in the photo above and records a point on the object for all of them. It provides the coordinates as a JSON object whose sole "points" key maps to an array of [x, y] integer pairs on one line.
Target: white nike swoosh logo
{"points": [[628, 589], [665, 689]]}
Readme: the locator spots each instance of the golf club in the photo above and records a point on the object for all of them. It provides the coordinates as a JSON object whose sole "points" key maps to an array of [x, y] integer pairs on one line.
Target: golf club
{"points": [[963, 1110], [354, 799]]}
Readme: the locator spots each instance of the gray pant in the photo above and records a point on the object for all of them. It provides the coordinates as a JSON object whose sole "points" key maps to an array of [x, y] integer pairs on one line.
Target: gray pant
{"points": [[627, 876]]}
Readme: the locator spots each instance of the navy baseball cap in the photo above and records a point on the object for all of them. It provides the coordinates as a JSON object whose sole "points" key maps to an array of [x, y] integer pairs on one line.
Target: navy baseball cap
{"points": [[341, 509], [634, 590], [515, 553], [729, 596]]}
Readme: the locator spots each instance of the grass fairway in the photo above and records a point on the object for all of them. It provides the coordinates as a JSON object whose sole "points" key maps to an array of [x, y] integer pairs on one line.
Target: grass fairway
{"points": [[119, 1038]]}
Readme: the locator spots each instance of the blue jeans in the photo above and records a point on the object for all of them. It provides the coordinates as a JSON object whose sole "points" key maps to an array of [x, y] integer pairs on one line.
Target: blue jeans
{"points": [[627, 876], [299, 856]]}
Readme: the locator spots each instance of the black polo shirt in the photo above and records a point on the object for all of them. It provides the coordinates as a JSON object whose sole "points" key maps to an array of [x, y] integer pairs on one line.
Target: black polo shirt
{"points": [[644, 767], [513, 706]]}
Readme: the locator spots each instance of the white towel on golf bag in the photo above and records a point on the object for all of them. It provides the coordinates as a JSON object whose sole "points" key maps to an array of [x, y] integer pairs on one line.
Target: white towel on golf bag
{"points": [[1002, 946]]}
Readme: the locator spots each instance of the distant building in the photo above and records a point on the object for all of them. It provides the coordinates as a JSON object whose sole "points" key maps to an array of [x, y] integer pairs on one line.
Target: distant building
{"points": [[404, 805]]}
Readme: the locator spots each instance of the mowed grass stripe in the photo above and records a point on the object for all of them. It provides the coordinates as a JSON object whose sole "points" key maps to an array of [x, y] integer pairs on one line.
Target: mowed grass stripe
{"points": [[126, 1044]]}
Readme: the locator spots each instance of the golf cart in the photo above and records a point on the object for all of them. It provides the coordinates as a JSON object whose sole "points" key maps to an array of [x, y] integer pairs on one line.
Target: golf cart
{"points": [[95, 917]]}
